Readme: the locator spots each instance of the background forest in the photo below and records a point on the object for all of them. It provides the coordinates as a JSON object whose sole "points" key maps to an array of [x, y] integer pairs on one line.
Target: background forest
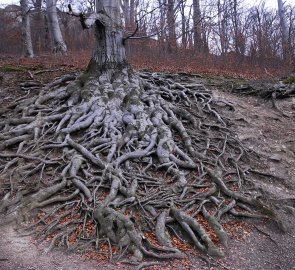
{"points": [[225, 36]]}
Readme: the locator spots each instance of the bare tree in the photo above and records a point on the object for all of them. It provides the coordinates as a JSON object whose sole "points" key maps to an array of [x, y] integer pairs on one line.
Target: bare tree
{"points": [[133, 6], [171, 35], [197, 27], [221, 29], [54, 28], [38, 26], [183, 24], [291, 26], [126, 12], [285, 43], [26, 30], [162, 24]]}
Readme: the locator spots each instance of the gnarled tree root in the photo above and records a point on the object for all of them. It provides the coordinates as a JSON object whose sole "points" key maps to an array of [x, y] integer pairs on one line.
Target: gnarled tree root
{"points": [[108, 159]]}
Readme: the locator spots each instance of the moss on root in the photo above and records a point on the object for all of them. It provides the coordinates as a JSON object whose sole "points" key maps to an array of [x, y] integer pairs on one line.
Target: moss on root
{"points": [[289, 80]]}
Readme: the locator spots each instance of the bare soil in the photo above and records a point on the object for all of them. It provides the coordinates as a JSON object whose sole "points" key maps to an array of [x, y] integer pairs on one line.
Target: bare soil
{"points": [[254, 244]]}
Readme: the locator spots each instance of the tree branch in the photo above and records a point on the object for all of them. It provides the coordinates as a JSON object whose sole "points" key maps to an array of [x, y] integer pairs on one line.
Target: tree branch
{"points": [[133, 34]]}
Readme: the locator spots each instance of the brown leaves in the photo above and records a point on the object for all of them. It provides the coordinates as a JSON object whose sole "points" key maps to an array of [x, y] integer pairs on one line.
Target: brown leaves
{"points": [[181, 245], [102, 254], [70, 218], [237, 229], [151, 237], [95, 256], [207, 228]]}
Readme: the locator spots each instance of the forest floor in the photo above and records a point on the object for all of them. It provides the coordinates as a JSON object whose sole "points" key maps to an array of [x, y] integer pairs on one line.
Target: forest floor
{"points": [[254, 244]]}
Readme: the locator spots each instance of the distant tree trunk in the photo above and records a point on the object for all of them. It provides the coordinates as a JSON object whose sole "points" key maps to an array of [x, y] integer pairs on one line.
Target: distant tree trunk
{"points": [[38, 24], [285, 43], [129, 13], [183, 25], [235, 26], [205, 30], [190, 34], [197, 29], [223, 27], [53, 24], [171, 26], [126, 12], [132, 13], [27, 50], [47, 39], [238, 36], [161, 32], [259, 31]]}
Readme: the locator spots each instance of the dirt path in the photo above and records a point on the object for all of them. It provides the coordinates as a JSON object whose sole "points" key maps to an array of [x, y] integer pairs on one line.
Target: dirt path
{"points": [[264, 248], [268, 133], [259, 245], [18, 252]]}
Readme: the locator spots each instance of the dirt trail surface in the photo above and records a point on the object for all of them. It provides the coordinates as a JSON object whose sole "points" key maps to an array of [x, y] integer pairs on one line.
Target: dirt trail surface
{"points": [[18, 252], [254, 244]]}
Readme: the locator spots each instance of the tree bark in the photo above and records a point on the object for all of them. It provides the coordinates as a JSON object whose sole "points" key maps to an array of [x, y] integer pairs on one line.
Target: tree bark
{"points": [[285, 43], [235, 26], [26, 30], [38, 23], [126, 12], [162, 20], [53, 24], [222, 27], [109, 51], [171, 27], [183, 25], [197, 26], [132, 13]]}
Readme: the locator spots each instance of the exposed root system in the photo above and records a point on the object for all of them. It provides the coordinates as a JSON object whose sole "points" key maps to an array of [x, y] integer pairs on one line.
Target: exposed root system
{"points": [[107, 159]]}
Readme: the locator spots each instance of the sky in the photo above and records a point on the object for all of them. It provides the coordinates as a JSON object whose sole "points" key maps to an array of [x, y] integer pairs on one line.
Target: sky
{"points": [[269, 3]]}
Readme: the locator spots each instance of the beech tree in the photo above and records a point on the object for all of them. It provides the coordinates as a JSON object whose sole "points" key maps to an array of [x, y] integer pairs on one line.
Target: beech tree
{"points": [[171, 37], [197, 26], [284, 30], [26, 30], [182, 5], [118, 154], [54, 28], [38, 20]]}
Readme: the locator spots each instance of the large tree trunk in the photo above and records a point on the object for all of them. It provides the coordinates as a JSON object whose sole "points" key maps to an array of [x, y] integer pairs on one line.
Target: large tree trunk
{"points": [[26, 30], [53, 24], [109, 51]]}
